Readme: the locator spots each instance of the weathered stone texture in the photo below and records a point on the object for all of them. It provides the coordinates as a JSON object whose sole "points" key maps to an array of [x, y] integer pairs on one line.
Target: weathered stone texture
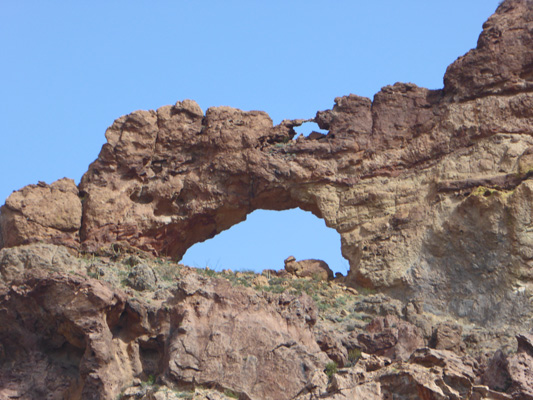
{"points": [[46, 213], [430, 190]]}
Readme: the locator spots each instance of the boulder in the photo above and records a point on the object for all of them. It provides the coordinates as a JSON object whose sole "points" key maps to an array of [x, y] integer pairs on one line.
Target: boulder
{"points": [[513, 373], [42, 213], [391, 337], [142, 277], [448, 336], [315, 269]]}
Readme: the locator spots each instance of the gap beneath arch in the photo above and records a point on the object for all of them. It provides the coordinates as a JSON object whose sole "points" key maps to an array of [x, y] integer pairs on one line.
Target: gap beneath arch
{"points": [[307, 128], [266, 239]]}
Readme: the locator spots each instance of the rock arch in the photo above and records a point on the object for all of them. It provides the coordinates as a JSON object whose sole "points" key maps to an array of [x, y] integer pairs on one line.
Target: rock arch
{"points": [[266, 239], [399, 178]]}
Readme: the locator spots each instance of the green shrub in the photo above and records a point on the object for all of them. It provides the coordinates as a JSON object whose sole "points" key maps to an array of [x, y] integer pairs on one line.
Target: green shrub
{"points": [[231, 394], [353, 357], [331, 369]]}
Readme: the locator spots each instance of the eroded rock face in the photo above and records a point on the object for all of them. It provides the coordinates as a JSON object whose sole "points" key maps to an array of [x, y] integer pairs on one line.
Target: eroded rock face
{"points": [[430, 190], [513, 373], [427, 374], [259, 345], [57, 322], [46, 213], [52, 326], [391, 337], [479, 73], [65, 334]]}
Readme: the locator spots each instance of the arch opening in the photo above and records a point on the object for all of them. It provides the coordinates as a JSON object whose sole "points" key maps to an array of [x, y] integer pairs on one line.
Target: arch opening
{"points": [[310, 128], [265, 239]]}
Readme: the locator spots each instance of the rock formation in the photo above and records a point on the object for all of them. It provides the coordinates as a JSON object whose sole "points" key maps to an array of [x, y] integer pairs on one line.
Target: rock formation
{"points": [[317, 269], [430, 190], [198, 331]]}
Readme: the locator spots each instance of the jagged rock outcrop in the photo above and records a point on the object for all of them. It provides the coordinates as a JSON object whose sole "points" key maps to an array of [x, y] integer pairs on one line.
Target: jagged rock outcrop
{"points": [[481, 73], [56, 322], [391, 337], [428, 374], [513, 373], [46, 213], [66, 335], [430, 190]]}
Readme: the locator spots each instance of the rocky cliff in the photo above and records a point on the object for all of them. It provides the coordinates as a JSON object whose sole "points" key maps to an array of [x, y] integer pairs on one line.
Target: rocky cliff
{"points": [[430, 190]]}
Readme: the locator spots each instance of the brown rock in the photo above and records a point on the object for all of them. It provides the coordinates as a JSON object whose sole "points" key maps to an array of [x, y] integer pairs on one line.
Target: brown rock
{"points": [[513, 373], [497, 376], [260, 345], [69, 336], [57, 337], [316, 269], [430, 190], [480, 72], [47, 213], [448, 336], [391, 337], [397, 177], [330, 345], [428, 374]]}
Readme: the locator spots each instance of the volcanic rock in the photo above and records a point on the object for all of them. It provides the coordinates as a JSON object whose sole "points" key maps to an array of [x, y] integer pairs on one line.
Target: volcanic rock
{"points": [[513, 374], [42, 213], [142, 277], [316, 269], [259, 345], [428, 374], [391, 337], [430, 191], [448, 336], [57, 322]]}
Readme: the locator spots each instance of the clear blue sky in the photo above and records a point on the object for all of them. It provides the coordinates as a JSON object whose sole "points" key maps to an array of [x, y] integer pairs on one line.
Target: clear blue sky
{"points": [[69, 68]]}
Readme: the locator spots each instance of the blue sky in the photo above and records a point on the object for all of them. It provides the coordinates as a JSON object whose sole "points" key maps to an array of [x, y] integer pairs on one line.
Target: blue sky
{"points": [[70, 68]]}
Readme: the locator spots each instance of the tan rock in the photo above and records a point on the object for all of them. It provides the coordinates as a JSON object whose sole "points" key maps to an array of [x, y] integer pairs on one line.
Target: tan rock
{"points": [[260, 280], [46, 213], [316, 269], [260, 345], [401, 178], [429, 374]]}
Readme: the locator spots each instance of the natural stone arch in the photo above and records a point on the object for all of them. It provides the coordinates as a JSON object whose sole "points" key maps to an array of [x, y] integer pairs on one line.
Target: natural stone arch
{"points": [[170, 178], [182, 177], [394, 176], [265, 239]]}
